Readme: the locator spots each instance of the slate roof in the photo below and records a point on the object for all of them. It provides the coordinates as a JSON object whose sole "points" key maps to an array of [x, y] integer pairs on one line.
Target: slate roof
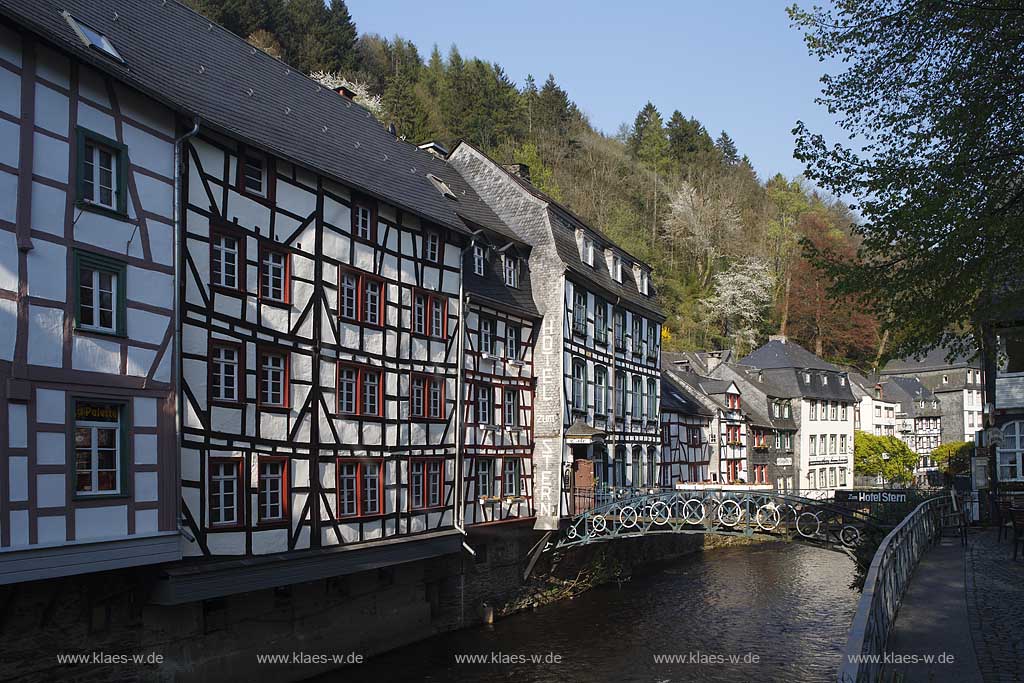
{"points": [[491, 288], [198, 68], [786, 354], [677, 398], [757, 392], [563, 232], [908, 391], [933, 360]]}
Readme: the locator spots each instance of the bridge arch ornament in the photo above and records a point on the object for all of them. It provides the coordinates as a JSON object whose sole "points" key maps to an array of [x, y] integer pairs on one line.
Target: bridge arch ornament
{"points": [[625, 513]]}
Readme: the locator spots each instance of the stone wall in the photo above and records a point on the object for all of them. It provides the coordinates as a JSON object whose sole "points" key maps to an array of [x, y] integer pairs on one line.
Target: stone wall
{"points": [[107, 615]]}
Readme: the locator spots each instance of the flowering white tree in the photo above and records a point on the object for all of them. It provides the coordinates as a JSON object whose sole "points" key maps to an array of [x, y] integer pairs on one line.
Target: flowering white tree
{"points": [[362, 95], [705, 220], [742, 294]]}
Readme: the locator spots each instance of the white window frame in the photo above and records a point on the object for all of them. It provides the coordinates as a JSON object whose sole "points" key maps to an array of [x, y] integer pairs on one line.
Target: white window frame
{"points": [[222, 247], [432, 247], [348, 489], [364, 222], [223, 473], [96, 299], [271, 482], [254, 173], [273, 373], [224, 373], [484, 477], [511, 477], [513, 334], [479, 261], [579, 385], [511, 271], [484, 404], [510, 407], [1011, 453], [94, 427], [273, 274], [92, 165]]}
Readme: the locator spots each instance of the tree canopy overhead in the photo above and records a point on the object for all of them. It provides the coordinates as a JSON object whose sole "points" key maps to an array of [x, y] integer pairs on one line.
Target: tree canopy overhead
{"points": [[930, 94]]}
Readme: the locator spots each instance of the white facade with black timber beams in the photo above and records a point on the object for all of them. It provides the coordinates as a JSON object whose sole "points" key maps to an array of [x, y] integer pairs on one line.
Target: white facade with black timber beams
{"points": [[597, 359]]}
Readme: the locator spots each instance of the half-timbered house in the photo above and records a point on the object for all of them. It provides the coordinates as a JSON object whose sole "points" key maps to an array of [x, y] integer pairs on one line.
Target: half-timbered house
{"points": [[500, 329], [320, 287], [88, 476], [598, 351], [685, 434]]}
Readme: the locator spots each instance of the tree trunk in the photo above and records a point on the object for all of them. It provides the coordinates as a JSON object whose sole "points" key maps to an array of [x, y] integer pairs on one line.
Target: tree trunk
{"points": [[785, 305], [881, 350]]}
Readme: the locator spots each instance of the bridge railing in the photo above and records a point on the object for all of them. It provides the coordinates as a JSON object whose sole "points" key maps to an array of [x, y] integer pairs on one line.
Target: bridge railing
{"points": [[886, 582]]}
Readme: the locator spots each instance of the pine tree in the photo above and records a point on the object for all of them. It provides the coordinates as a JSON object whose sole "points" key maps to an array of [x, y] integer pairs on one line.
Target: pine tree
{"points": [[727, 148], [689, 142], [405, 109], [554, 111], [647, 140], [340, 33]]}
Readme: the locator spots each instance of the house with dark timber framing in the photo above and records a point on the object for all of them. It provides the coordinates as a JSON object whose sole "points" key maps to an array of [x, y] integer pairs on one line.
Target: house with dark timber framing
{"points": [[320, 283], [598, 353], [685, 434], [500, 332], [88, 476]]}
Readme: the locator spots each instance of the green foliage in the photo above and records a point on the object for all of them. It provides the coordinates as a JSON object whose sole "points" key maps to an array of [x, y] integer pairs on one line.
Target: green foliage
{"points": [[955, 457], [666, 192], [884, 456], [933, 159]]}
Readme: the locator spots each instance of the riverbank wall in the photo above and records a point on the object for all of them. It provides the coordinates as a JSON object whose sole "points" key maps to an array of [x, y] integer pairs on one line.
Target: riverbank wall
{"points": [[101, 627]]}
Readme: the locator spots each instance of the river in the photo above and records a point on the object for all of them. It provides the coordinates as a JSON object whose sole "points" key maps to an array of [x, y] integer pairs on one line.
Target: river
{"points": [[774, 612]]}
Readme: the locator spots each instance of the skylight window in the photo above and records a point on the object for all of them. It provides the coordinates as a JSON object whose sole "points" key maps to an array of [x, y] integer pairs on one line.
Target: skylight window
{"points": [[441, 186], [93, 38]]}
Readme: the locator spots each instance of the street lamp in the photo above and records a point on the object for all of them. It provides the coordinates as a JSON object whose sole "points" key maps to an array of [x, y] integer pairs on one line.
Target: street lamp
{"points": [[885, 457]]}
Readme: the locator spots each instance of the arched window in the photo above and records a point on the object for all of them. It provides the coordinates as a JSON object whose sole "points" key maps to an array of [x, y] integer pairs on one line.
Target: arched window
{"points": [[579, 384], [600, 390], [1011, 452]]}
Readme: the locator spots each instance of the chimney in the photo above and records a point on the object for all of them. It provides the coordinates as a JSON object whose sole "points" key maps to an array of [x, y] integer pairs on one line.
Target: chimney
{"points": [[521, 171], [345, 92], [435, 148], [777, 337], [714, 360]]}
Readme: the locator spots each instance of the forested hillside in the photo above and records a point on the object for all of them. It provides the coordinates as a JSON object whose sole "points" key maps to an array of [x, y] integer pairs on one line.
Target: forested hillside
{"points": [[725, 244]]}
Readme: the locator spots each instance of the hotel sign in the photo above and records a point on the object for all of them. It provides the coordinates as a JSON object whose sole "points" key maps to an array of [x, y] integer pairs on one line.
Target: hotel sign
{"points": [[849, 496]]}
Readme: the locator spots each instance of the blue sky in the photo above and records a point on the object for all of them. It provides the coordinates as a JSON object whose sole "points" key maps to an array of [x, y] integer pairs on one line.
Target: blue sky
{"points": [[735, 65]]}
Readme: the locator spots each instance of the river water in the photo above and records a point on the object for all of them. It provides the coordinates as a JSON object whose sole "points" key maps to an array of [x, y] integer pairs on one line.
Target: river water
{"points": [[774, 612]]}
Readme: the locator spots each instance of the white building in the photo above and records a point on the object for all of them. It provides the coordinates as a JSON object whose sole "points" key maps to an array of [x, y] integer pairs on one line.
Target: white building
{"points": [[823, 406], [88, 478]]}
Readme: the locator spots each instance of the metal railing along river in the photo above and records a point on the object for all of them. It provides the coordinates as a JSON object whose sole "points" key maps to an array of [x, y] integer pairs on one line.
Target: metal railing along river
{"points": [[886, 582]]}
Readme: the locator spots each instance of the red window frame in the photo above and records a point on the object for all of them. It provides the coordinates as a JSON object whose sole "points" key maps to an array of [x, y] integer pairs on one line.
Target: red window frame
{"points": [[733, 468], [360, 202], [733, 401], [284, 462], [360, 489], [760, 474], [732, 434], [431, 300], [261, 353], [361, 372], [240, 382], [427, 381], [439, 489], [218, 228], [286, 285], [362, 278], [241, 492]]}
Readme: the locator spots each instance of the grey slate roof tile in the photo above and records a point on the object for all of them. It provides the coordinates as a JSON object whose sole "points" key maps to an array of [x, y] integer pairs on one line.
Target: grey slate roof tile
{"points": [[197, 68]]}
